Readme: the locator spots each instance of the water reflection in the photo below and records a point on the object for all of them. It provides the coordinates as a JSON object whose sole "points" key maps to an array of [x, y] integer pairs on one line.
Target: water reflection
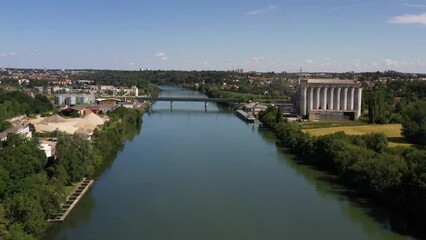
{"points": [[81, 214]]}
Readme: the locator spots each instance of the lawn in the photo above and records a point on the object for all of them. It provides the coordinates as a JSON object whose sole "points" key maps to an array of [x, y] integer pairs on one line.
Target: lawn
{"points": [[332, 124], [392, 131]]}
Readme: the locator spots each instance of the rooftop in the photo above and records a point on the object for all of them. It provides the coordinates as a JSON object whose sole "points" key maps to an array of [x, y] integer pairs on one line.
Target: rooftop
{"points": [[331, 81]]}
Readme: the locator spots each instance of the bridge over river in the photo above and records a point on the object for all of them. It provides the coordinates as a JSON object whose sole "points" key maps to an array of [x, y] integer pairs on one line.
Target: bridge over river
{"points": [[189, 99]]}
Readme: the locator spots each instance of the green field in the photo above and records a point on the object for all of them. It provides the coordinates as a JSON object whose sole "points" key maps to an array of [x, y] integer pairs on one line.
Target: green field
{"points": [[392, 131]]}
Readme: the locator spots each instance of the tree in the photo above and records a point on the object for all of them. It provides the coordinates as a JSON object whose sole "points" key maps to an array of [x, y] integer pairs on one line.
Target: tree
{"points": [[279, 116], [378, 109], [414, 123]]}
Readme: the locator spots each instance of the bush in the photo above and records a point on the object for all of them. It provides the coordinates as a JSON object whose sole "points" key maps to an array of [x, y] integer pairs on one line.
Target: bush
{"points": [[375, 141], [396, 118]]}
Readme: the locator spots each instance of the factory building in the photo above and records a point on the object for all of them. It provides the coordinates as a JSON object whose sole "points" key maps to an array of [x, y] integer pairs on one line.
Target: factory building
{"points": [[330, 99]]}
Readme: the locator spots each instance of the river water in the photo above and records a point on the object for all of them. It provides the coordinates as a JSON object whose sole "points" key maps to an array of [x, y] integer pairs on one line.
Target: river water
{"points": [[197, 174]]}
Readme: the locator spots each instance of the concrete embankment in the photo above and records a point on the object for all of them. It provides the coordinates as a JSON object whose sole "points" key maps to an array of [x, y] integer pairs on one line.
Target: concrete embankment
{"points": [[71, 201]]}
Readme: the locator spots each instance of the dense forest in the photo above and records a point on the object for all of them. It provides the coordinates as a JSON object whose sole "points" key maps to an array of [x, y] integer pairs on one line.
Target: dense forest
{"points": [[32, 187], [16, 103], [394, 177]]}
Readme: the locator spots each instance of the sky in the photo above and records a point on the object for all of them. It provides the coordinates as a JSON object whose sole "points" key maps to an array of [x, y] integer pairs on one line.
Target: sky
{"points": [[315, 35]]}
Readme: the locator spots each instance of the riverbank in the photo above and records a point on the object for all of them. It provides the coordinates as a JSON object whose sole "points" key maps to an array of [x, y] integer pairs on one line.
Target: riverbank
{"points": [[32, 186], [390, 176]]}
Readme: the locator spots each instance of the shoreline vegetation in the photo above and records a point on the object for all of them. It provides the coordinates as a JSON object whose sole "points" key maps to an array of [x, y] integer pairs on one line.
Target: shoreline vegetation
{"points": [[33, 187], [394, 177]]}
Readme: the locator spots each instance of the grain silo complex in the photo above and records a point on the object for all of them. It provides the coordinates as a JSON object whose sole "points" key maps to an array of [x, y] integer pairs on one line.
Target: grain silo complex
{"points": [[74, 99]]}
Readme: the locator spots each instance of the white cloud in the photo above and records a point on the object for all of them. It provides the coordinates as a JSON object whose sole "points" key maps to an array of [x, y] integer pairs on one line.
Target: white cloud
{"points": [[356, 63], [11, 54], [414, 5], [263, 10], [409, 19], [420, 63], [131, 63], [35, 52], [310, 61], [390, 63], [326, 62], [161, 55], [258, 60], [345, 6]]}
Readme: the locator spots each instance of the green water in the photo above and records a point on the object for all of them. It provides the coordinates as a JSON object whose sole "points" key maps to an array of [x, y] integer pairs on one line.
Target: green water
{"points": [[196, 174]]}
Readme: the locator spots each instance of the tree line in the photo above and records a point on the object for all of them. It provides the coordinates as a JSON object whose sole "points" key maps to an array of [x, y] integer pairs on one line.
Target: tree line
{"points": [[386, 102], [16, 103], [395, 177], [120, 79], [277, 87]]}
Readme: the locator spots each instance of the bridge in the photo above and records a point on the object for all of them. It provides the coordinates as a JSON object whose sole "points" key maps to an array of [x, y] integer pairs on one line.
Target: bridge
{"points": [[189, 99]]}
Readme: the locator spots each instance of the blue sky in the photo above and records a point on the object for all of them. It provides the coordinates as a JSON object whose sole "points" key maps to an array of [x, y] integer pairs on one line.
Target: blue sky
{"points": [[318, 35]]}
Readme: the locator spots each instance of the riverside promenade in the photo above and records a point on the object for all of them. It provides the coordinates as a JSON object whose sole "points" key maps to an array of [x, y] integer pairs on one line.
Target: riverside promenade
{"points": [[72, 200]]}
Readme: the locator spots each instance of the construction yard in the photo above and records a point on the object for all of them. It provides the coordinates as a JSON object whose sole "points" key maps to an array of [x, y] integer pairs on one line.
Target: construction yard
{"points": [[85, 124]]}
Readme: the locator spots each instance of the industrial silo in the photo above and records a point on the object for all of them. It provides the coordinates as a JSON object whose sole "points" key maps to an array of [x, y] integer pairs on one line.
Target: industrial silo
{"points": [[58, 100], [68, 100], [73, 100], [85, 99]]}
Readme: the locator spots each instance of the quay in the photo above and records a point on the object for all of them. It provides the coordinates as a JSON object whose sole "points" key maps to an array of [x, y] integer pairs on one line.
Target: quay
{"points": [[72, 200]]}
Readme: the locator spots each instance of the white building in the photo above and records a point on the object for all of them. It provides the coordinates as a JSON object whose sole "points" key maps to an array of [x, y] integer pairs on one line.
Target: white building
{"points": [[23, 130], [47, 149]]}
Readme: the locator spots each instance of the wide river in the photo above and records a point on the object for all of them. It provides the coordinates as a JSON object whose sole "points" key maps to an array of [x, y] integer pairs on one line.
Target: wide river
{"points": [[196, 174]]}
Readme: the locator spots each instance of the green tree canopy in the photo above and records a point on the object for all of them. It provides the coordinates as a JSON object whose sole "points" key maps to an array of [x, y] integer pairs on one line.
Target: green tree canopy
{"points": [[414, 123]]}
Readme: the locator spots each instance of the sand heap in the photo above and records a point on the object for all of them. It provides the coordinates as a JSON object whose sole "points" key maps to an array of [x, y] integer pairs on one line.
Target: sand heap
{"points": [[53, 119], [90, 119]]}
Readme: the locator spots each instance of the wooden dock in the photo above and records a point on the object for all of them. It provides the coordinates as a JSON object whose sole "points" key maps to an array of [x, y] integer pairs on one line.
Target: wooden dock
{"points": [[71, 200]]}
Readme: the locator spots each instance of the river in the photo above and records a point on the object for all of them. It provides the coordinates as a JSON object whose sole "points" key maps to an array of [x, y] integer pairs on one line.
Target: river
{"points": [[199, 174]]}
